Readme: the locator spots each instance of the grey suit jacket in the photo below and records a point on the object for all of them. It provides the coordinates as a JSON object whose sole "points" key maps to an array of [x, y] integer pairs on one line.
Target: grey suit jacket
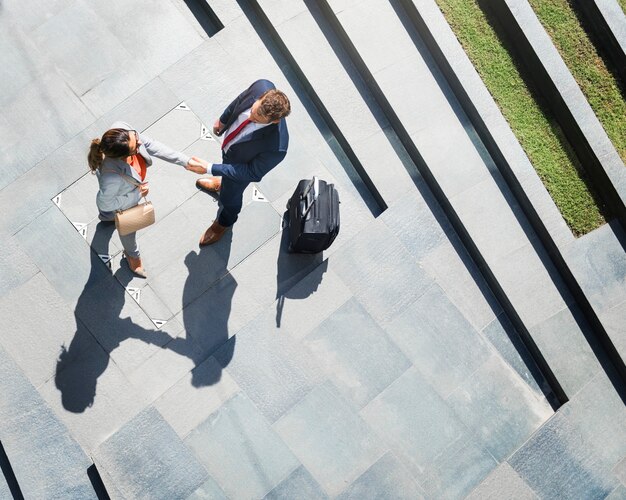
{"points": [[117, 193]]}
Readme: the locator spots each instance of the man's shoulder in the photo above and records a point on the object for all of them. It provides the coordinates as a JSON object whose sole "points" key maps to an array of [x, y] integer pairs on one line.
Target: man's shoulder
{"points": [[261, 86]]}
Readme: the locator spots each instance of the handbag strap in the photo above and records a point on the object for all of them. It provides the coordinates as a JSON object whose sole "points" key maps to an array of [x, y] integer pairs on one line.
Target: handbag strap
{"points": [[128, 179]]}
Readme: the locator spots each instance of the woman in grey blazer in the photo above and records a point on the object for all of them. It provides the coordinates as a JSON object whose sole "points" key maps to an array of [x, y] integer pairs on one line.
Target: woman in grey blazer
{"points": [[119, 157]]}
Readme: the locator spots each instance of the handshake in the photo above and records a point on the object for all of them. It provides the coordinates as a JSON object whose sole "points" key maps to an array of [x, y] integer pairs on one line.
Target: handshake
{"points": [[197, 165]]}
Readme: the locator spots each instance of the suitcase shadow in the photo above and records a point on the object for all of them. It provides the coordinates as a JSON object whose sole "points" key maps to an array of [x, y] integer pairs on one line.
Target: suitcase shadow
{"points": [[298, 275]]}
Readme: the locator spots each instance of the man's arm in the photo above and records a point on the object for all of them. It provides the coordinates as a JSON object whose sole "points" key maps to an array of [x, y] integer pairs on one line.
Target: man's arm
{"points": [[249, 172]]}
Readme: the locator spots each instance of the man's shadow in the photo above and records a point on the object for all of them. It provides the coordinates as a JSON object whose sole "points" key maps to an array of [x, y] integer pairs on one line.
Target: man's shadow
{"points": [[205, 317], [207, 304], [290, 269]]}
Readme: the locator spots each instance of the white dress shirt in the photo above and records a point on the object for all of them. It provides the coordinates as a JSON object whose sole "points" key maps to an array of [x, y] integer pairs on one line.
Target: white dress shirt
{"points": [[246, 131]]}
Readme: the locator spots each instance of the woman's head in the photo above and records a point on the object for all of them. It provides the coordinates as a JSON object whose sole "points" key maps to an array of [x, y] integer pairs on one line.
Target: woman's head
{"points": [[115, 143]]}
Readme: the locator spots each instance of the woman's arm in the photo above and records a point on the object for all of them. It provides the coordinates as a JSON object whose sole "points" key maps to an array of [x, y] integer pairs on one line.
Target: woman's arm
{"points": [[160, 150]]}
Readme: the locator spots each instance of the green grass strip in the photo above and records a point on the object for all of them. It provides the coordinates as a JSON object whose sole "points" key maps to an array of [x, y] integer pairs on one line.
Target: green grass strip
{"points": [[594, 79], [622, 4], [539, 135]]}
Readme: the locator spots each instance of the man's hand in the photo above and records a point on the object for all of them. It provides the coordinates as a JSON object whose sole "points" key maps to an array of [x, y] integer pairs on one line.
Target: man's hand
{"points": [[197, 165], [143, 189], [218, 126]]}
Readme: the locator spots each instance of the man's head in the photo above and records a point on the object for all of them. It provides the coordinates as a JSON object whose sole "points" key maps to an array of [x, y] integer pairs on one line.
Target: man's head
{"points": [[270, 107]]}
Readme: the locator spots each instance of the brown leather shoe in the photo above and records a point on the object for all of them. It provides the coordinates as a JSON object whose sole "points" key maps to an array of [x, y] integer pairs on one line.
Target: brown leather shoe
{"points": [[209, 184], [213, 234], [134, 264]]}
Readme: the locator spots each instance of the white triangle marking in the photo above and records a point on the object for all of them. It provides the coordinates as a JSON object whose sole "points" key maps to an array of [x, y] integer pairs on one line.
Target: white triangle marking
{"points": [[106, 259], [57, 200], [158, 322], [257, 195], [183, 106], [81, 228], [135, 293], [205, 134]]}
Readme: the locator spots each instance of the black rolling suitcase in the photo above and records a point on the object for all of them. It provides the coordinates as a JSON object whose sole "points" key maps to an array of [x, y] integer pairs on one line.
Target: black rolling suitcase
{"points": [[313, 216]]}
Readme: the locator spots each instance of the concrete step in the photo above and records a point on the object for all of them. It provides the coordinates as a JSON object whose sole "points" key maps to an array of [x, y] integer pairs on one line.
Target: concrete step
{"points": [[46, 460], [344, 95], [465, 180]]}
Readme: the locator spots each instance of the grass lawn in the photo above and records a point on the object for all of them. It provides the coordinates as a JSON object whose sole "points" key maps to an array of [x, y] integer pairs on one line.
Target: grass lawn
{"points": [[622, 4], [536, 130], [594, 79]]}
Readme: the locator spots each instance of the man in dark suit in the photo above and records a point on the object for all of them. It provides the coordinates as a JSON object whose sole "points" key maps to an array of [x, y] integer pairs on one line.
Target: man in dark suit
{"points": [[255, 141]]}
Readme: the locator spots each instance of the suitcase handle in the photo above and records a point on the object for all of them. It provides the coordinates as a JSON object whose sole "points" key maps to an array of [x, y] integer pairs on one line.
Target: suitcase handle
{"points": [[315, 186]]}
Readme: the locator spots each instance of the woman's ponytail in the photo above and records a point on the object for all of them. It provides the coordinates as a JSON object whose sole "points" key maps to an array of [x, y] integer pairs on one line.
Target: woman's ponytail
{"points": [[95, 156], [114, 144]]}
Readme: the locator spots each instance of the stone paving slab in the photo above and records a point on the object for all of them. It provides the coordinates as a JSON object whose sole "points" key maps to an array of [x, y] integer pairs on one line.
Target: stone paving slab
{"points": [[160, 41], [62, 106], [574, 360], [387, 478], [499, 408], [414, 422], [241, 451], [503, 482], [274, 370], [556, 464], [89, 392], [146, 459], [16, 267], [598, 261], [502, 335], [101, 82], [199, 398], [210, 490], [618, 493], [36, 323], [356, 354], [300, 484], [329, 438], [458, 276], [373, 258], [446, 349], [456, 472]]}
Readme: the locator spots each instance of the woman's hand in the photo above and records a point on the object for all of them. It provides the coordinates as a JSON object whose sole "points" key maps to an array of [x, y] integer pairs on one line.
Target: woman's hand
{"points": [[197, 165], [143, 189]]}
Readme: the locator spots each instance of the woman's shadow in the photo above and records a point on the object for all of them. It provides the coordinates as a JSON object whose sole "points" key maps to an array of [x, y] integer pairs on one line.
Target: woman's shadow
{"points": [[100, 304], [98, 307]]}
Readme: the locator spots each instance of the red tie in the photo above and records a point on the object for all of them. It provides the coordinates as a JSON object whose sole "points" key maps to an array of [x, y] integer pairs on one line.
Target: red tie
{"points": [[234, 133]]}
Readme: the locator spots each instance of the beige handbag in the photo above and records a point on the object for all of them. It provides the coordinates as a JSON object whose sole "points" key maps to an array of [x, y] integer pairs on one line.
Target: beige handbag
{"points": [[134, 218]]}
